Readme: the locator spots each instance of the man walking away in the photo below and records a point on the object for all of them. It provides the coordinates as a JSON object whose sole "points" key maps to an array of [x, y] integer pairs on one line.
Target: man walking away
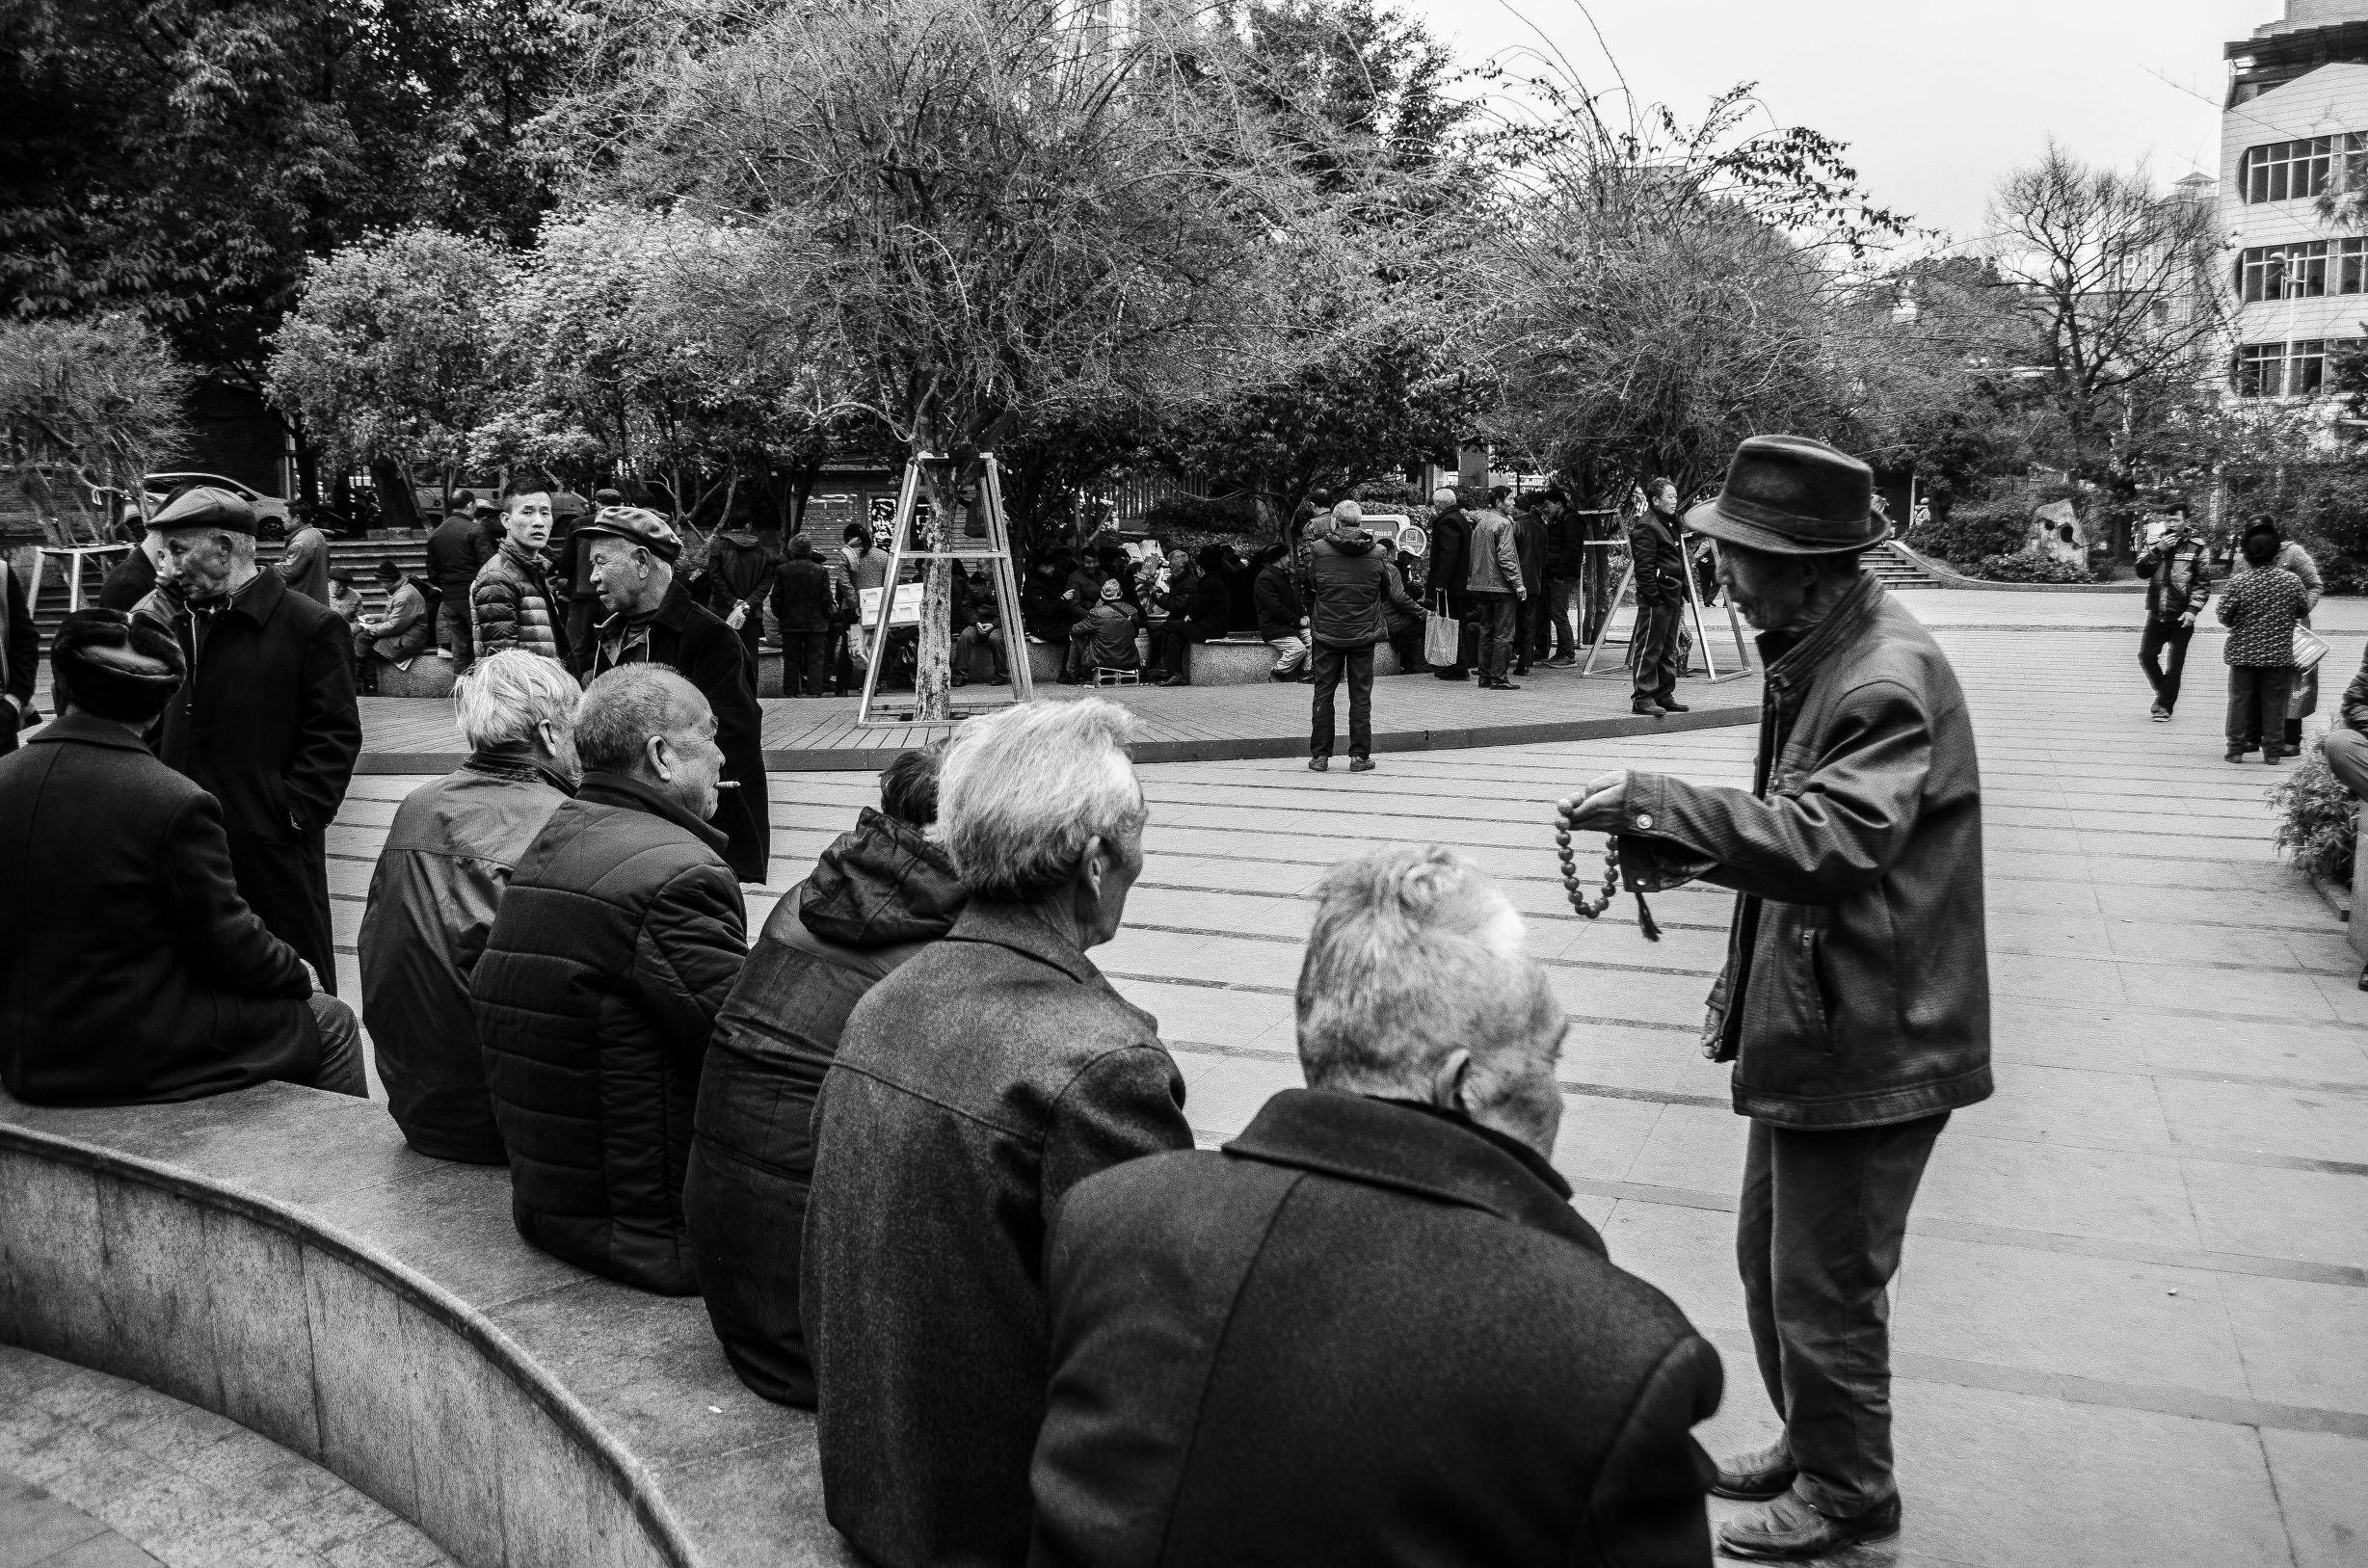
{"points": [[972, 1089], [656, 621], [2261, 609], [1494, 588], [2178, 577], [457, 551], [1282, 621], [802, 608], [1349, 589], [267, 721], [1659, 562], [438, 883], [1310, 1347], [1854, 1001], [1450, 546], [618, 937], [130, 969]]}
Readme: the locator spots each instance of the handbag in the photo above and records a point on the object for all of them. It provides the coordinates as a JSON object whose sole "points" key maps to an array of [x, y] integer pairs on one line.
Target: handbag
{"points": [[2308, 648], [1442, 635]]}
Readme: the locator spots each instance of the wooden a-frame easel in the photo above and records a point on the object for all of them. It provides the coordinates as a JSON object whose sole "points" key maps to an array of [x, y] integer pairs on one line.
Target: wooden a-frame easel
{"points": [[996, 548]]}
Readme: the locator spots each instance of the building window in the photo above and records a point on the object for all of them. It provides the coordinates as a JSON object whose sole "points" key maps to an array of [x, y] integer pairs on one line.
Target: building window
{"points": [[2351, 266], [2290, 170], [2283, 271], [2297, 369]]}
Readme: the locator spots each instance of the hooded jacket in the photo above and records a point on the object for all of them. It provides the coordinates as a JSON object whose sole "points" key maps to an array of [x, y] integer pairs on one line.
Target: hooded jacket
{"points": [[1347, 585], [619, 937], [878, 895], [738, 571]]}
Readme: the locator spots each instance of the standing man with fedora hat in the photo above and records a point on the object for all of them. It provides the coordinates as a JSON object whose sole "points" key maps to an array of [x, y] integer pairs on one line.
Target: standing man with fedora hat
{"points": [[266, 722], [1854, 1002], [631, 553]]}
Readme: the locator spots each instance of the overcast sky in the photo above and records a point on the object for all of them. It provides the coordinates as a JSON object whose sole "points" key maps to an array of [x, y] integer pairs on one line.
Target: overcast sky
{"points": [[1936, 101]]}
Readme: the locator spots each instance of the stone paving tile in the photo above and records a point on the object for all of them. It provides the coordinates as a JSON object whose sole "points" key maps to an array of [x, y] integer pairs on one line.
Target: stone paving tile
{"points": [[2317, 1479], [2301, 1342], [36, 1525], [2313, 1215]]}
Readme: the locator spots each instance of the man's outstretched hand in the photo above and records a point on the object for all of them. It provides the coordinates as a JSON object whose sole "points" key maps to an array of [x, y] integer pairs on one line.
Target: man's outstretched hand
{"points": [[1600, 807]]}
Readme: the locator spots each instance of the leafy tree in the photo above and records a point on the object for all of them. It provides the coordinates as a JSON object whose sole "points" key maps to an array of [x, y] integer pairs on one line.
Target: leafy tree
{"points": [[388, 358], [87, 406], [983, 214]]}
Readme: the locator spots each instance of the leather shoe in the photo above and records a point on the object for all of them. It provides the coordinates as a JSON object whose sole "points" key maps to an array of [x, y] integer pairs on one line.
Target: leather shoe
{"points": [[1668, 706], [1757, 1477], [1360, 765], [1319, 764], [1645, 707], [1790, 1530]]}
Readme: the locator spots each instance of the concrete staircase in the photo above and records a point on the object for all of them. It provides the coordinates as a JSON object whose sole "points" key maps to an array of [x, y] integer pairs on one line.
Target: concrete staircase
{"points": [[1898, 568]]}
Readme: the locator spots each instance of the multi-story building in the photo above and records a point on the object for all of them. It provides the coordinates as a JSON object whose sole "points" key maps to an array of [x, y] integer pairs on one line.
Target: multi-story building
{"points": [[2294, 194]]}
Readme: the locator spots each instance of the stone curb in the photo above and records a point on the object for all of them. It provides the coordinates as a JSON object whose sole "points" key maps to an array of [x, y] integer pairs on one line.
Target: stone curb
{"points": [[1247, 748]]}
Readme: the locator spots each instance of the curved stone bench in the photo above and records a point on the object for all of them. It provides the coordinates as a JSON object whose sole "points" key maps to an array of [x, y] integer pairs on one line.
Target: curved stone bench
{"points": [[277, 1256], [430, 676]]}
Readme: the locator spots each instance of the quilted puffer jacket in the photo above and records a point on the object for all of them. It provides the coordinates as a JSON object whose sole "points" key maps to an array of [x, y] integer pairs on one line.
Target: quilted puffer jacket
{"points": [[619, 939], [510, 605]]}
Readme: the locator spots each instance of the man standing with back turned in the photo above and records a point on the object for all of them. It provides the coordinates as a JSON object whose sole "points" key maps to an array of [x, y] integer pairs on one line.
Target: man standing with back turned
{"points": [[1854, 1003]]}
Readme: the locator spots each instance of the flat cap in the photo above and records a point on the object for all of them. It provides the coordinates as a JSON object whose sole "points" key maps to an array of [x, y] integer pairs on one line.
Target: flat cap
{"points": [[637, 524], [207, 506]]}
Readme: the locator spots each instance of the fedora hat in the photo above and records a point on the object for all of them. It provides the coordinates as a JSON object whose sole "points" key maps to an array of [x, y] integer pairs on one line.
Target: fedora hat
{"points": [[1792, 495]]}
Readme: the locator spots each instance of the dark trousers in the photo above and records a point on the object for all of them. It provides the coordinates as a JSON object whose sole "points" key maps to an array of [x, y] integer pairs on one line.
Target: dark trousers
{"points": [[454, 631], [1530, 614], [339, 1071], [2257, 697], [744, 1198], [2347, 754], [1654, 652], [2162, 675], [1328, 664], [1499, 618], [1408, 647], [1817, 1239], [287, 886], [805, 662]]}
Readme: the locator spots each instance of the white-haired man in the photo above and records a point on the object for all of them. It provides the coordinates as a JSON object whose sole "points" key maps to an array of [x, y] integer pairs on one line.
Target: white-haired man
{"points": [[619, 937], [972, 1088], [1372, 1328], [437, 886]]}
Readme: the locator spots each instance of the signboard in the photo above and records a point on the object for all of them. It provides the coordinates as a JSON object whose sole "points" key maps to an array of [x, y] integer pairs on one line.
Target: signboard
{"points": [[905, 612]]}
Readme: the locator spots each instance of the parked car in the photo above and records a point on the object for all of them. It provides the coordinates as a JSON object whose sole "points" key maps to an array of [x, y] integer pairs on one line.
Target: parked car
{"points": [[270, 510]]}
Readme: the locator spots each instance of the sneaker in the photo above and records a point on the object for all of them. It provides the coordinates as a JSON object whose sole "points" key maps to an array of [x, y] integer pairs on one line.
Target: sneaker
{"points": [[2235, 755], [2161, 715], [1790, 1530], [1360, 765], [1319, 764]]}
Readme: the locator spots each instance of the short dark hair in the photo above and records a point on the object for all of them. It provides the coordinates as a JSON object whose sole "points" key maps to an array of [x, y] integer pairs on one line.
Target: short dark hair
{"points": [[1655, 485], [2260, 547], [854, 531], [387, 567], [909, 784], [115, 666], [518, 490], [464, 498]]}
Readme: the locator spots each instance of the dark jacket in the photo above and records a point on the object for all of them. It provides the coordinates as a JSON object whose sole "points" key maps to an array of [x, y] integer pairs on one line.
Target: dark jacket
{"points": [[972, 1089], [1659, 558], [2178, 579], [128, 581], [877, 896], [457, 551], [1566, 550], [1366, 1332], [1279, 610], [433, 897], [304, 564], [1348, 587], [1110, 629], [613, 950], [1450, 544], [130, 968], [1529, 548], [2354, 711], [510, 605], [1856, 989], [801, 601], [1402, 613], [266, 723], [21, 647], [739, 570], [688, 637]]}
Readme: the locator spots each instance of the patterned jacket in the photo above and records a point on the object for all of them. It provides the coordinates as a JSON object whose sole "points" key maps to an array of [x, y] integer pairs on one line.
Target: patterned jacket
{"points": [[2178, 579], [510, 604], [2260, 610]]}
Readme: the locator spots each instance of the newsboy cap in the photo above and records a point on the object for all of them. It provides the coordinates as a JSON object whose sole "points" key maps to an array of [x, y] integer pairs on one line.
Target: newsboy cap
{"points": [[106, 663], [637, 525], [1792, 495], [207, 506]]}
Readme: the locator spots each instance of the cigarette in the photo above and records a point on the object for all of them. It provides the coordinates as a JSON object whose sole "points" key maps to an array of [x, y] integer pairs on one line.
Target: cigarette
{"points": [[726, 784]]}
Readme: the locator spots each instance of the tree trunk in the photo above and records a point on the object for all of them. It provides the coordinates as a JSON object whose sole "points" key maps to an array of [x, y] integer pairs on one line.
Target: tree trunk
{"points": [[398, 508], [933, 668]]}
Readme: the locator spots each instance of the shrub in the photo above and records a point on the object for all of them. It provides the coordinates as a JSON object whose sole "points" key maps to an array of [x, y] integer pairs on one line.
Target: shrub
{"points": [[1230, 517], [2031, 569], [1974, 530], [2315, 820]]}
